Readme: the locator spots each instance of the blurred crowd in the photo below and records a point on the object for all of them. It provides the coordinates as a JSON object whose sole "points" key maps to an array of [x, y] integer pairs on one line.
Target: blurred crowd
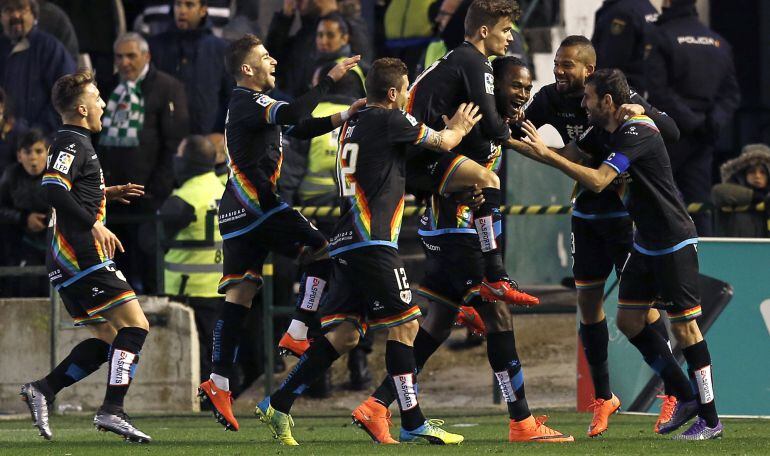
{"points": [[159, 67]]}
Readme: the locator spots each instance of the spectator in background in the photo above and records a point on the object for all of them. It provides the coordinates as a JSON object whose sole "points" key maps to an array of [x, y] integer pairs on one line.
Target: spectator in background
{"points": [[408, 31], [145, 119], [297, 52], [620, 31], [55, 21], [691, 77], [11, 129], [157, 16], [190, 52], [745, 182], [24, 207], [31, 61], [192, 273]]}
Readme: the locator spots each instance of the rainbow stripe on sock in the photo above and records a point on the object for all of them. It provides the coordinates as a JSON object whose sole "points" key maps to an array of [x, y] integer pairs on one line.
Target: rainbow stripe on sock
{"points": [[114, 302]]}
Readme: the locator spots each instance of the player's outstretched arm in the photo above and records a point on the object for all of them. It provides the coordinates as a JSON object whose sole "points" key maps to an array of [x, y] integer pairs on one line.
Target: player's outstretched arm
{"points": [[461, 123], [301, 108], [595, 180], [316, 126]]}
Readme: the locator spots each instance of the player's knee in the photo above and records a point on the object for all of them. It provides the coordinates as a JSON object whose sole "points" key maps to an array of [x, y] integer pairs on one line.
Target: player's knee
{"points": [[630, 323], [686, 332], [490, 179], [405, 332], [344, 337], [590, 303]]}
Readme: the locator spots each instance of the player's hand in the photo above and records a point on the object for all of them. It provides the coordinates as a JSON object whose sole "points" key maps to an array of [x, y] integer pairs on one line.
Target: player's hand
{"points": [[106, 239], [535, 141], [464, 119], [36, 222], [289, 7], [122, 193], [517, 116], [473, 198], [343, 67], [628, 111], [356, 106]]}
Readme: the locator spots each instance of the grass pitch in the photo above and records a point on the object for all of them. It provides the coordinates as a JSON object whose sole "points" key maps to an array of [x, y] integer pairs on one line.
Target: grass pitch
{"points": [[334, 435]]}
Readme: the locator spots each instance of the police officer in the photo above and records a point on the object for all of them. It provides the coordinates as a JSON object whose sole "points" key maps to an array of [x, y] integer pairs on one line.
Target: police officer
{"points": [[691, 77], [192, 272], [620, 27]]}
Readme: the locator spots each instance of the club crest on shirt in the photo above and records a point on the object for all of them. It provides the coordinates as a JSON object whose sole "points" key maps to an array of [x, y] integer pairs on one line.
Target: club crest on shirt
{"points": [[63, 162]]}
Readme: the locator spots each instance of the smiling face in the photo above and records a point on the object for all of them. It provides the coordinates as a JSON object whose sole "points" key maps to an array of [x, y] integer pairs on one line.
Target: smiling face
{"points": [[17, 19], [513, 90], [570, 71], [33, 158], [259, 68], [598, 109]]}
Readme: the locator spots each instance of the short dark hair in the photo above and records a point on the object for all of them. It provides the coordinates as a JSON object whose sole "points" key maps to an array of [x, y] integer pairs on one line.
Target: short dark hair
{"points": [[237, 51], [33, 5], [339, 19], [386, 72], [613, 82], [68, 89], [501, 64], [489, 12], [200, 150], [587, 53], [32, 136]]}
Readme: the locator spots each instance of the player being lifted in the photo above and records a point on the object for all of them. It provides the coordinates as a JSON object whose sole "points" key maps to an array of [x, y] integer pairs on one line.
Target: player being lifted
{"points": [[80, 265], [454, 271], [463, 74], [662, 269], [602, 233], [253, 220], [369, 288]]}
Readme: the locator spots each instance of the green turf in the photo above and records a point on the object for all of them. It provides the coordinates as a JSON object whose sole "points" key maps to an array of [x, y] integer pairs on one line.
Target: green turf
{"points": [[333, 434]]}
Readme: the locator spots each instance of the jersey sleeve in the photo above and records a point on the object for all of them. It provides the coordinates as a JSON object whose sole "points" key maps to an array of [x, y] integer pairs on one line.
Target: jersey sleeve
{"points": [[266, 108], [628, 147], [403, 128], [667, 126], [480, 84], [63, 166]]}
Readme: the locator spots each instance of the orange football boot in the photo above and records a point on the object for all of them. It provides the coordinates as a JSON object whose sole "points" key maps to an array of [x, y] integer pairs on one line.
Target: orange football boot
{"points": [[506, 290], [666, 410], [291, 346], [534, 429], [221, 404], [602, 408], [374, 419], [470, 318]]}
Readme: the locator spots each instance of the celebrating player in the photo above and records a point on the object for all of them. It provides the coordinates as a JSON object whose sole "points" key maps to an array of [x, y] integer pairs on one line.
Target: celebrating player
{"points": [[464, 74], [253, 220], [602, 233], [80, 265], [662, 269], [369, 288], [454, 272]]}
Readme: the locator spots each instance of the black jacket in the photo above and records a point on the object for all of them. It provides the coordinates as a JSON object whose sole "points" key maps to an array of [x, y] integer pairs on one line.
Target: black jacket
{"points": [[21, 195], [166, 123], [620, 29], [196, 57], [690, 73]]}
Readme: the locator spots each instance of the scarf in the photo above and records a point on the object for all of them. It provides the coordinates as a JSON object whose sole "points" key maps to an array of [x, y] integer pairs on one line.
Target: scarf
{"points": [[124, 116]]}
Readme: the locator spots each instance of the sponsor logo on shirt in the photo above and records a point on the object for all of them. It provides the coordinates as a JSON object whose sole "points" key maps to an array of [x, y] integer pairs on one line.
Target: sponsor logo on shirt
{"points": [[489, 83]]}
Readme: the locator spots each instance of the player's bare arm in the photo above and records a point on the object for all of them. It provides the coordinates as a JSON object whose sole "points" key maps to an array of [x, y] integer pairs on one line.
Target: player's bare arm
{"points": [[595, 180], [457, 127]]}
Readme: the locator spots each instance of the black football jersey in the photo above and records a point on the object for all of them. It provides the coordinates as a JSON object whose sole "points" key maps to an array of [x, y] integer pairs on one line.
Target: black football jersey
{"points": [[661, 219], [463, 74], [371, 170], [254, 152], [74, 166]]}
